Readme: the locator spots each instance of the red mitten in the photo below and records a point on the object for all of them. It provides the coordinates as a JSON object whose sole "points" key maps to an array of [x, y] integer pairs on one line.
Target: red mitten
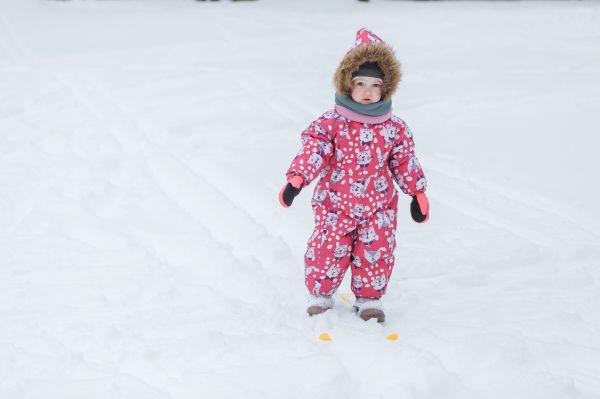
{"points": [[290, 191], [419, 208]]}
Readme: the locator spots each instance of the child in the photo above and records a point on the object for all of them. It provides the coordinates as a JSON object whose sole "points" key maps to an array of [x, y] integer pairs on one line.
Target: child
{"points": [[357, 148]]}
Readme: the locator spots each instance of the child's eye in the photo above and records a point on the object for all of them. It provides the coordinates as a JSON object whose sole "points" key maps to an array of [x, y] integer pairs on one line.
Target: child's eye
{"points": [[360, 83]]}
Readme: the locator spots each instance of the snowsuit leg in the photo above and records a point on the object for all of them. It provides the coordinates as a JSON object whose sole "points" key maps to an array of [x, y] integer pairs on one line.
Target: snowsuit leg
{"points": [[328, 254], [373, 253]]}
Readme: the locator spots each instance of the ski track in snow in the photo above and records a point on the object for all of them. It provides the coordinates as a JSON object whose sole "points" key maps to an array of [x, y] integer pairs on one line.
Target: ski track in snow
{"points": [[179, 183], [524, 215], [10, 43], [145, 253]]}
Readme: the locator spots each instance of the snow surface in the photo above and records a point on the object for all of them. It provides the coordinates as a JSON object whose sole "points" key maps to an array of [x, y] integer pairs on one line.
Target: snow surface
{"points": [[144, 253]]}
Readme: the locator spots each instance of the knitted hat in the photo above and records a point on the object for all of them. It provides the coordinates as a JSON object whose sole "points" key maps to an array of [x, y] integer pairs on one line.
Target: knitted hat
{"points": [[370, 69], [368, 48]]}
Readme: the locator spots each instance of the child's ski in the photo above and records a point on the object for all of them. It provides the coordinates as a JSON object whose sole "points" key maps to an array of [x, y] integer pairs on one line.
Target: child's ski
{"points": [[347, 298]]}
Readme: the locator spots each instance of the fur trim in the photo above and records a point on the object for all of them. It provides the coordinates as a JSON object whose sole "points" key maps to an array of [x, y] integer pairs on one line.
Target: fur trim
{"points": [[323, 301], [366, 303], [380, 53]]}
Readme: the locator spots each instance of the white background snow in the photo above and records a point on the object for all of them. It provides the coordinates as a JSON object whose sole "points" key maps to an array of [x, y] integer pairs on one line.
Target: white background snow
{"points": [[143, 251]]}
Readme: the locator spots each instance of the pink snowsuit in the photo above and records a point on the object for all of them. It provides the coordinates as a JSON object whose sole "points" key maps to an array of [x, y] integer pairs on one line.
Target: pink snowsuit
{"points": [[355, 201]]}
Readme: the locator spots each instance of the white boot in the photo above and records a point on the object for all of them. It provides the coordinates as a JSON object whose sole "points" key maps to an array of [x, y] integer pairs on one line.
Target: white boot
{"points": [[319, 304], [368, 308]]}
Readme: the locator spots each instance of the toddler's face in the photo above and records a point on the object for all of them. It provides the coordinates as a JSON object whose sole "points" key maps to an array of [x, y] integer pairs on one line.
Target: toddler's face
{"points": [[366, 90]]}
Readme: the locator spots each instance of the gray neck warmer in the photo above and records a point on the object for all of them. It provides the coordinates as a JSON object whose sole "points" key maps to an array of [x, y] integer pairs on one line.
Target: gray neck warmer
{"points": [[376, 109]]}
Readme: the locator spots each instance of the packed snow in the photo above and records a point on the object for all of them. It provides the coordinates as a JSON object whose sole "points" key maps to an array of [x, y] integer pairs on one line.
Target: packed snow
{"points": [[143, 250]]}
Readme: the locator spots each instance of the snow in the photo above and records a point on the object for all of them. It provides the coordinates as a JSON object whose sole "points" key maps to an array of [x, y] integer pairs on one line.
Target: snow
{"points": [[144, 252]]}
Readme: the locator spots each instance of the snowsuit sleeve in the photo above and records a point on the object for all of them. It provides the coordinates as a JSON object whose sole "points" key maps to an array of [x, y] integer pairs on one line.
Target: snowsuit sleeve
{"points": [[405, 167], [316, 151]]}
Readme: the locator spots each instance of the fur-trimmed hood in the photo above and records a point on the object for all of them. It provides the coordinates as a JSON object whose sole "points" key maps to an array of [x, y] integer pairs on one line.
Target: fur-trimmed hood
{"points": [[368, 47]]}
